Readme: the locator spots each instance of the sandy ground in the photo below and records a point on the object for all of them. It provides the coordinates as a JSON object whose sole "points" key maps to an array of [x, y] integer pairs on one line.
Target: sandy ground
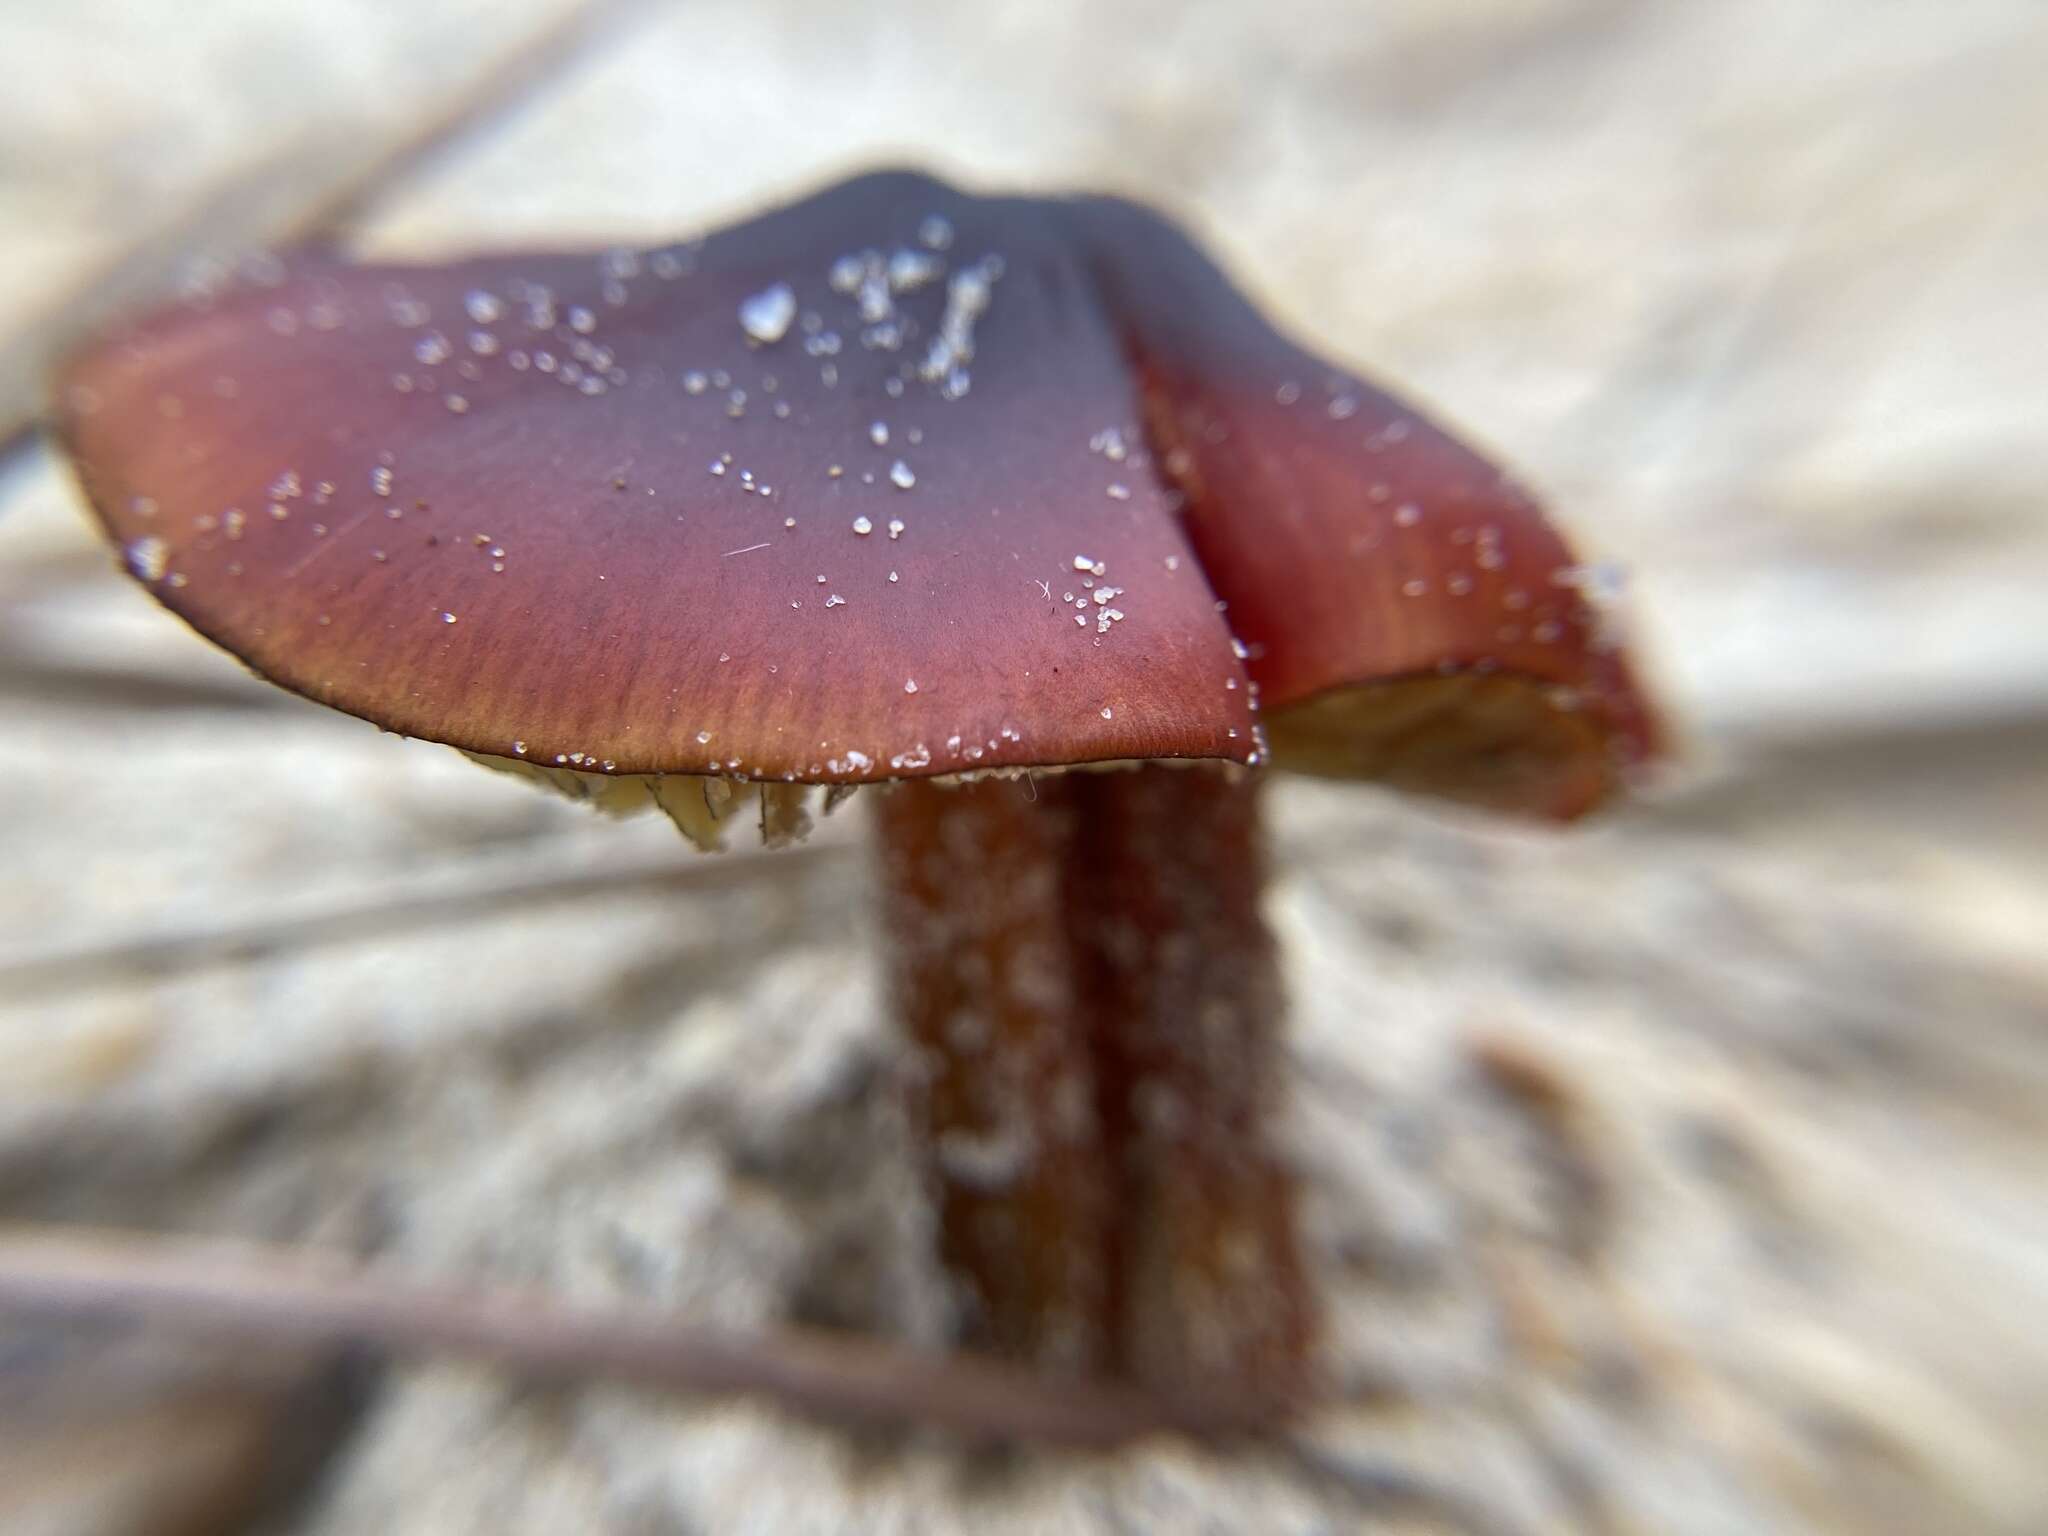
{"points": [[1750, 289]]}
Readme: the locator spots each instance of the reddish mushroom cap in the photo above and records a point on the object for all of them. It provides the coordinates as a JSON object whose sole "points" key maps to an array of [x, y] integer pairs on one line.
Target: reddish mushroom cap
{"points": [[812, 500], [1409, 613], [863, 488]]}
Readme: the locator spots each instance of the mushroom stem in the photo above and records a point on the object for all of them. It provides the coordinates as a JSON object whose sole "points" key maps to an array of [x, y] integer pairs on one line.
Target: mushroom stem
{"points": [[1003, 1086], [1095, 1002]]}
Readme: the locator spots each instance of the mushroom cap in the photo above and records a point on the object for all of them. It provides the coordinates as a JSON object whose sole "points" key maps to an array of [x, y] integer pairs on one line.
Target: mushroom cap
{"points": [[715, 509], [890, 482], [1409, 613]]}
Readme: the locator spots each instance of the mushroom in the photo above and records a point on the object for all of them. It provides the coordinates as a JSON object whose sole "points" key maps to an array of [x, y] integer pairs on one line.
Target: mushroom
{"points": [[1015, 506]]}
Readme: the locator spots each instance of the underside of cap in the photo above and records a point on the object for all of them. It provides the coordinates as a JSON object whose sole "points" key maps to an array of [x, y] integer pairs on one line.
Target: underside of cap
{"points": [[703, 807], [706, 808], [1492, 740]]}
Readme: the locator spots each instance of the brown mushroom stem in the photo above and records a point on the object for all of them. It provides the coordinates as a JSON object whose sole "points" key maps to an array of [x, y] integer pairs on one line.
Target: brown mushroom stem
{"points": [[1082, 964]]}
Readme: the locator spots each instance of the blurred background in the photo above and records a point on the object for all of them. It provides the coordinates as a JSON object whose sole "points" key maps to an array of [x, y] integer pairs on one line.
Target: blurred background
{"points": [[1751, 289]]}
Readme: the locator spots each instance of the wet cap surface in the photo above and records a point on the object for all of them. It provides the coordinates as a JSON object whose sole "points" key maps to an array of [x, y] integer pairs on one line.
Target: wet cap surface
{"points": [[815, 500], [890, 482]]}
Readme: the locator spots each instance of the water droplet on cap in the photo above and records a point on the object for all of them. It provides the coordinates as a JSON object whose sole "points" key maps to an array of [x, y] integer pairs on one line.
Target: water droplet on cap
{"points": [[766, 316], [147, 558]]}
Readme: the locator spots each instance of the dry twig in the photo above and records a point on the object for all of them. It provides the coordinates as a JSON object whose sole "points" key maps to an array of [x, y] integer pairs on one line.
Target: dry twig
{"points": [[255, 1292]]}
